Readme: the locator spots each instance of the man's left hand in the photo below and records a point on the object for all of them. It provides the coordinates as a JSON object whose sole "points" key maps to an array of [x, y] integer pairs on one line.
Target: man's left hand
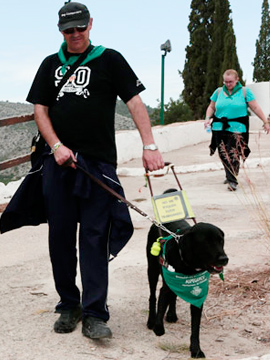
{"points": [[152, 160]]}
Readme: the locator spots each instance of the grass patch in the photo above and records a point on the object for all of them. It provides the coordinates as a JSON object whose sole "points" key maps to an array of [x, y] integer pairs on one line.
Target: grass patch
{"points": [[173, 348]]}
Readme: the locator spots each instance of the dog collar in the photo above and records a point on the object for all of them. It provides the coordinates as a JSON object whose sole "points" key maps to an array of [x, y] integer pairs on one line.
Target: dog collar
{"points": [[180, 251]]}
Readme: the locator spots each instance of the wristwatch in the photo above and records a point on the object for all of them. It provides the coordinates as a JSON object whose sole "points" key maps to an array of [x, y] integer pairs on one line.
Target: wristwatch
{"points": [[150, 147]]}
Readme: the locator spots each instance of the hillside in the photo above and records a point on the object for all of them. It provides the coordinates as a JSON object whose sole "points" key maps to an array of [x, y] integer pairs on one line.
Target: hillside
{"points": [[16, 140]]}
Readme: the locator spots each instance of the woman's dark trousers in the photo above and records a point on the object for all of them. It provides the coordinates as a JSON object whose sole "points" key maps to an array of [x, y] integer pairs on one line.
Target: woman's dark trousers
{"points": [[230, 149]]}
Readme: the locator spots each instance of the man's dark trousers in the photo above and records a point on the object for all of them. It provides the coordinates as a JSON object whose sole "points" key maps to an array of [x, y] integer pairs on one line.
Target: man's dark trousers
{"points": [[64, 211]]}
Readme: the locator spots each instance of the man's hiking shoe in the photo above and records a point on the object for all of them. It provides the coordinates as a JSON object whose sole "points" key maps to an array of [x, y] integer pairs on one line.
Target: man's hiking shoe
{"points": [[232, 186], [68, 320], [95, 328]]}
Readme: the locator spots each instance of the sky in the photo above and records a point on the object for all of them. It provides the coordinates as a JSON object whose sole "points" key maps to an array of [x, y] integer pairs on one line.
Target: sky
{"points": [[134, 28]]}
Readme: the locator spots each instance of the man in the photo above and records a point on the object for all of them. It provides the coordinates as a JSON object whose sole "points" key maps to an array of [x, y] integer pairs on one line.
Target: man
{"points": [[77, 123]]}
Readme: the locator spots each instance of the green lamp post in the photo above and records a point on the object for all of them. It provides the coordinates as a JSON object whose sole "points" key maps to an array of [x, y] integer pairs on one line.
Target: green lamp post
{"points": [[166, 47]]}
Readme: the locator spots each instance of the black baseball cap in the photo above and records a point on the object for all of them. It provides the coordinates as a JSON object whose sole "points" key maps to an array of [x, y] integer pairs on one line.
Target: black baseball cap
{"points": [[73, 14]]}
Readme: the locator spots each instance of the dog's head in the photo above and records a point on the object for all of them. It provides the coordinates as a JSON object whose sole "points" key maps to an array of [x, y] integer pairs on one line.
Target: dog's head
{"points": [[202, 248]]}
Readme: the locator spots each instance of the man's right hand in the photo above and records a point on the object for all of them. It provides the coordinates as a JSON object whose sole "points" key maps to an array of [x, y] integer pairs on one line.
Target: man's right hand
{"points": [[63, 155]]}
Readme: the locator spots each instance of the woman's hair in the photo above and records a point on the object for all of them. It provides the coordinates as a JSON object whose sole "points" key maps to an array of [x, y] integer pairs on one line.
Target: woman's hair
{"points": [[231, 72]]}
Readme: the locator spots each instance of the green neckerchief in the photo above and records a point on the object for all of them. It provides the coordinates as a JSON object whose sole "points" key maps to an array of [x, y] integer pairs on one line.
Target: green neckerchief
{"points": [[94, 53], [191, 288], [237, 87]]}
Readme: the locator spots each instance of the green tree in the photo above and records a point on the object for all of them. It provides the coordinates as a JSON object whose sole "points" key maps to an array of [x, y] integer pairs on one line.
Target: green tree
{"points": [[210, 52], [194, 73], [174, 111], [230, 60], [221, 18], [262, 58]]}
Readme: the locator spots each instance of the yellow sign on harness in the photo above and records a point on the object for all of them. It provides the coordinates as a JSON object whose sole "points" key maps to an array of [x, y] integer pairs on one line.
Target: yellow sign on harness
{"points": [[172, 206]]}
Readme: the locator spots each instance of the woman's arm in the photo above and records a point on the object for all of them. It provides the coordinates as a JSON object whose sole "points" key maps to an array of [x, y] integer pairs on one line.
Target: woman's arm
{"points": [[209, 113], [255, 107]]}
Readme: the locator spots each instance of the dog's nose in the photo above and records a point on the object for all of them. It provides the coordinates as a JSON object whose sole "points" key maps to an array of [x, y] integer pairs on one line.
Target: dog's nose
{"points": [[223, 260]]}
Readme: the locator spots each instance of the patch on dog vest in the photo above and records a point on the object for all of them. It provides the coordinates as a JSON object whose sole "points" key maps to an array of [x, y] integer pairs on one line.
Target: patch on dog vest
{"points": [[191, 288]]}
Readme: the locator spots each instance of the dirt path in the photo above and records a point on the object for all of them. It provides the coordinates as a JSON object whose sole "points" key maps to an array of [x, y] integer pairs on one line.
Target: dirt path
{"points": [[236, 321]]}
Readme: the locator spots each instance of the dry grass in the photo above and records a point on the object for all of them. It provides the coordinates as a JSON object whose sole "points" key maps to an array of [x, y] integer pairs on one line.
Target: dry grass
{"points": [[252, 200], [171, 347], [239, 291]]}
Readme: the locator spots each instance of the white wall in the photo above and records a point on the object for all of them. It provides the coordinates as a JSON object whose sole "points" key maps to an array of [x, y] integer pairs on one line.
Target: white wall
{"points": [[261, 91], [177, 135], [168, 138]]}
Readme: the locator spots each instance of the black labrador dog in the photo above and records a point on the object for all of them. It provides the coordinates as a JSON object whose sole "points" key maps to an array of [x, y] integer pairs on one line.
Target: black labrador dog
{"points": [[200, 249]]}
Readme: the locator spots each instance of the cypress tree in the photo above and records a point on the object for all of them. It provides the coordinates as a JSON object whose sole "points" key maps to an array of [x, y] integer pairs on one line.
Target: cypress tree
{"points": [[217, 52], [262, 58], [211, 51], [194, 73], [230, 60]]}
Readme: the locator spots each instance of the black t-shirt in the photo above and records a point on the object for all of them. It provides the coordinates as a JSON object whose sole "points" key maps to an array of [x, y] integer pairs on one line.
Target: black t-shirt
{"points": [[83, 114]]}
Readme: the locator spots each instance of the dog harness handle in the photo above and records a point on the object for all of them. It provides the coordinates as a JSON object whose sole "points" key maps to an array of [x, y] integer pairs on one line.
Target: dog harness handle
{"points": [[122, 199]]}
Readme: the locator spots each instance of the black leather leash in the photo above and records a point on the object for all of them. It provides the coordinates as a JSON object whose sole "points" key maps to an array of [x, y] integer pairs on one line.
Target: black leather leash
{"points": [[111, 191]]}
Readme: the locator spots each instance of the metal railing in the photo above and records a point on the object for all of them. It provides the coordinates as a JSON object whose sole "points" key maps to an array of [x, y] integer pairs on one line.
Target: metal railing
{"points": [[20, 159], [23, 158]]}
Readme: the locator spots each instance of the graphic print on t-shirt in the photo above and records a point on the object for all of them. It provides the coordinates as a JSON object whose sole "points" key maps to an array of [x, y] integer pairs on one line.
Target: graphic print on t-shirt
{"points": [[77, 82]]}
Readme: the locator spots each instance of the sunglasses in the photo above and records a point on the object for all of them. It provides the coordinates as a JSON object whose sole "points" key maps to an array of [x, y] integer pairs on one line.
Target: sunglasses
{"points": [[72, 30]]}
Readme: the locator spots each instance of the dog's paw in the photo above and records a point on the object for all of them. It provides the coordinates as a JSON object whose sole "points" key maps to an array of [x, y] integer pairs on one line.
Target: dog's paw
{"points": [[150, 324], [159, 330], [197, 354], [171, 317]]}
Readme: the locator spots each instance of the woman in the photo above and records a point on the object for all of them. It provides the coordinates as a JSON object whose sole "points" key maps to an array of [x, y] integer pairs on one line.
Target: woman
{"points": [[227, 114]]}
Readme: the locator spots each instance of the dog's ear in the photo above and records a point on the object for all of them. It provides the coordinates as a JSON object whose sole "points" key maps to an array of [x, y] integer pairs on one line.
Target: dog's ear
{"points": [[204, 228], [221, 232]]}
